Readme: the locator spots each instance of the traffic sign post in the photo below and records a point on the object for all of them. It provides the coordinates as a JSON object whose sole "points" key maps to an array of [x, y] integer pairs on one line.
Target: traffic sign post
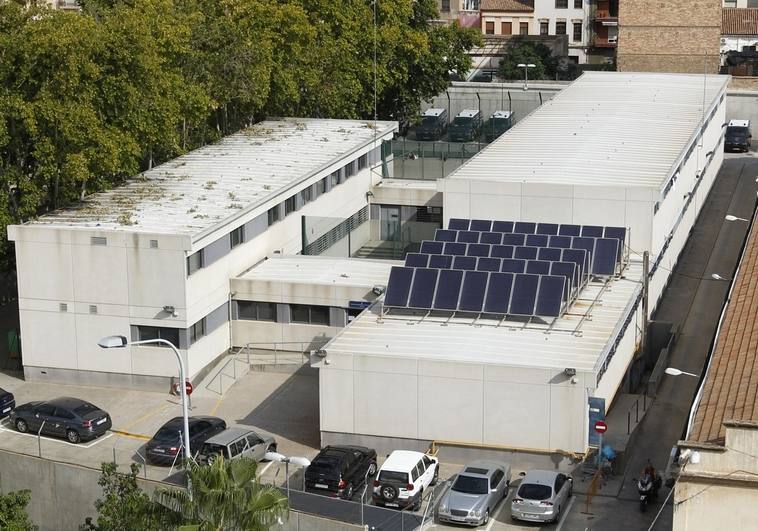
{"points": [[600, 427], [187, 389]]}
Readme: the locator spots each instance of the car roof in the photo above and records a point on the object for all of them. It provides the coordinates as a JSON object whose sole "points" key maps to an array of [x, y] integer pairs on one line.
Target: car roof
{"points": [[540, 477], [468, 113], [230, 435], [402, 460], [433, 112], [739, 123], [482, 468], [501, 114], [192, 420], [67, 402]]}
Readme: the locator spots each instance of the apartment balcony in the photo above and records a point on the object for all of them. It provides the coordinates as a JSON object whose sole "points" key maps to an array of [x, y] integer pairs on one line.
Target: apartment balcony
{"points": [[605, 42], [604, 15]]}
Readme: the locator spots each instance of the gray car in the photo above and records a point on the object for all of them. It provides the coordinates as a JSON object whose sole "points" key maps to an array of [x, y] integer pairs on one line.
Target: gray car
{"points": [[235, 443], [474, 493], [542, 496]]}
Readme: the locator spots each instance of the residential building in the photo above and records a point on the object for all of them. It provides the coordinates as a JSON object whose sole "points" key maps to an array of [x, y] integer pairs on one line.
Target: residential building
{"points": [[604, 37], [465, 12], [740, 3], [676, 36], [718, 478], [739, 37]]}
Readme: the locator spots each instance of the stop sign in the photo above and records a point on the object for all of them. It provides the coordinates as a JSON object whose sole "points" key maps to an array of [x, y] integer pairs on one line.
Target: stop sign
{"points": [[187, 388], [601, 426]]}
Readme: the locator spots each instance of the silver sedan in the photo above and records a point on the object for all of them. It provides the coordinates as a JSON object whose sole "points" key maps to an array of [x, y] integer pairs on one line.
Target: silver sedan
{"points": [[474, 493], [542, 496]]}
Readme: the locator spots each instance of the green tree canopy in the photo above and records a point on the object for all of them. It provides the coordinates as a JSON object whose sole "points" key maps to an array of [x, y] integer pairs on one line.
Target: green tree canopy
{"points": [[13, 515], [524, 52]]}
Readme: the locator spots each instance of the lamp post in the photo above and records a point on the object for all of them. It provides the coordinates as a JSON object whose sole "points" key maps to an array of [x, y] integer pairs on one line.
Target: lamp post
{"points": [[716, 276], [730, 217], [121, 342], [300, 461], [526, 68], [672, 371]]}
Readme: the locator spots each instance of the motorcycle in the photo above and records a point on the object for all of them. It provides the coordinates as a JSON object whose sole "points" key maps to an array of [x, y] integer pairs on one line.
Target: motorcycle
{"points": [[648, 490]]}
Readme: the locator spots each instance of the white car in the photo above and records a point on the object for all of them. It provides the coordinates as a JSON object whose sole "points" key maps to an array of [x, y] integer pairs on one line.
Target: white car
{"points": [[403, 477]]}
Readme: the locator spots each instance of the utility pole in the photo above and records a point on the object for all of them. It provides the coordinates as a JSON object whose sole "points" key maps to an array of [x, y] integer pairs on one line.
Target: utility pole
{"points": [[645, 293]]}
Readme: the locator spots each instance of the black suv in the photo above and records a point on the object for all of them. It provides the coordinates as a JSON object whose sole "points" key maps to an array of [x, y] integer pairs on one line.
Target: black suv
{"points": [[738, 136], [499, 123], [339, 470], [164, 446], [72, 418]]}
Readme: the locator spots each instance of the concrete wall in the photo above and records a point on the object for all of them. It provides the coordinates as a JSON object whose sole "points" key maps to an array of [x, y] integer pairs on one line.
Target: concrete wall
{"points": [[742, 105]]}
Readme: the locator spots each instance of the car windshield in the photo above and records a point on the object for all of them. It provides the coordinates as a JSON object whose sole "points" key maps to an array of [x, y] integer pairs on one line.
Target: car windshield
{"points": [[500, 122], [461, 120], [85, 408], [326, 461], [470, 485], [209, 449], [532, 491], [429, 120], [736, 131], [168, 432], [390, 475]]}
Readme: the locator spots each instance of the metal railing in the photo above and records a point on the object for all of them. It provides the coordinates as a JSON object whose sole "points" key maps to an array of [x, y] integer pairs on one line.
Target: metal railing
{"points": [[283, 352], [635, 410], [228, 374]]}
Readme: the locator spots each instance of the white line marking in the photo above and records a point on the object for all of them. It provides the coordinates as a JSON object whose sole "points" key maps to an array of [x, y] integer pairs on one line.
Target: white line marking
{"points": [[493, 517], [565, 514], [5, 428]]}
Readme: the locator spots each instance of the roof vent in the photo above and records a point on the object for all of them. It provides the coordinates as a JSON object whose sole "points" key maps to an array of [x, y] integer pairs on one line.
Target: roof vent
{"points": [[98, 240], [153, 244], [63, 307], [92, 309]]}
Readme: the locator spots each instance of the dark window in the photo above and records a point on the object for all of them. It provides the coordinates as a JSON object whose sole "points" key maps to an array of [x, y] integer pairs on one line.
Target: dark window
{"points": [[63, 413], [414, 473], [523, 28], [321, 186], [506, 28], [544, 28], [394, 477], [307, 195], [197, 330], [256, 311], [46, 409], [445, 6], [194, 262], [489, 28], [577, 31], [315, 315], [237, 236], [273, 215], [559, 481], [349, 170], [560, 28], [198, 427], [427, 461], [290, 205], [428, 215], [578, 4], [561, 4], [533, 491], [154, 332], [362, 162], [470, 485], [334, 179], [85, 408], [496, 478]]}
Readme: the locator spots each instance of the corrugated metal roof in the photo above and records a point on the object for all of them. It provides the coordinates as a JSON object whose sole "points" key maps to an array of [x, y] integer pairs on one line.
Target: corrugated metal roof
{"points": [[606, 128], [209, 185], [507, 343], [322, 270], [739, 21]]}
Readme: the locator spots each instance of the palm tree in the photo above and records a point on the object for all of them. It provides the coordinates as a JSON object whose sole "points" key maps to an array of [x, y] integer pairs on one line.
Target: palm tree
{"points": [[226, 495]]}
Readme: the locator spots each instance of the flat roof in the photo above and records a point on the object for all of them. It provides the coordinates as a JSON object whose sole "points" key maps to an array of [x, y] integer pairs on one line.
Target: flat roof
{"points": [[606, 128], [211, 185], [578, 339], [730, 389], [299, 269]]}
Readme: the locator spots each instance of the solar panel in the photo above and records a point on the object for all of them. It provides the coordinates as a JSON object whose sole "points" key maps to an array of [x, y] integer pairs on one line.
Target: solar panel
{"points": [[453, 248], [588, 244], [416, 260], [525, 253], [441, 261], [552, 254], [448, 289], [619, 233], [502, 251], [482, 225], [536, 240], [569, 271], [498, 293], [472, 291], [430, 247], [524, 227], [478, 249], [514, 239], [442, 235], [606, 254], [564, 242], [488, 264], [511, 265], [580, 258], [550, 296], [538, 267], [464, 262], [502, 226], [458, 224], [468, 236], [592, 231], [422, 290], [547, 228], [399, 286], [493, 238], [524, 294], [569, 230]]}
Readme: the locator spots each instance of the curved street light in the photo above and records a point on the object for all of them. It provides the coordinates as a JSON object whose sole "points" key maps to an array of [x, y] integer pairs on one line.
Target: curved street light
{"points": [[526, 68], [673, 371], [730, 217]]}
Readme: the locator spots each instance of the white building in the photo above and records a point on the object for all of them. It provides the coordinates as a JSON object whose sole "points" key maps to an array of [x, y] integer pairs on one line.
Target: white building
{"points": [[154, 258], [638, 151], [739, 30]]}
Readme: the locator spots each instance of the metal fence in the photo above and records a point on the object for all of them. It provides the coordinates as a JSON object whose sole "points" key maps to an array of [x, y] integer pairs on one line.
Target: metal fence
{"points": [[414, 159], [321, 233]]}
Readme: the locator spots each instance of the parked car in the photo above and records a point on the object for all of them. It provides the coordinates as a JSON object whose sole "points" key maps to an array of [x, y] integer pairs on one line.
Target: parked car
{"points": [[433, 124], [7, 402], [71, 418], [475, 493], [499, 123], [166, 443], [403, 477], [541, 496], [234, 443], [466, 126], [738, 136], [340, 470]]}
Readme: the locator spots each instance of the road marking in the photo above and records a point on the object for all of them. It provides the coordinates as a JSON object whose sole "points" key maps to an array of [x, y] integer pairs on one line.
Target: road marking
{"points": [[137, 436], [160, 409], [493, 517], [218, 403], [565, 514], [4, 428]]}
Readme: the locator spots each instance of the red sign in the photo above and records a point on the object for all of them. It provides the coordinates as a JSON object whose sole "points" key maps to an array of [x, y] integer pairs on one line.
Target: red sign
{"points": [[601, 426], [187, 388]]}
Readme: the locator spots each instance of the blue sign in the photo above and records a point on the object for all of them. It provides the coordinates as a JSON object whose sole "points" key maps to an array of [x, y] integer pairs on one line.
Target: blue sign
{"points": [[596, 412], [359, 305]]}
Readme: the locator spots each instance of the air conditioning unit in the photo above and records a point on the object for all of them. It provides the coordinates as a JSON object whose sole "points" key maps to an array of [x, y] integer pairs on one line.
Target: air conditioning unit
{"points": [[723, 40]]}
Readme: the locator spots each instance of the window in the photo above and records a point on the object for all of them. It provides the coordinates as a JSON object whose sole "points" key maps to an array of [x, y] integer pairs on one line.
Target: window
{"points": [[560, 28], [577, 31], [334, 179], [321, 186], [46, 409], [290, 205], [256, 311], [252, 440], [349, 170], [237, 236], [489, 28], [273, 215], [414, 473], [428, 461], [194, 262], [544, 28], [496, 478], [577, 4], [445, 6], [315, 315], [730, 3], [197, 331], [154, 332], [559, 481], [561, 4], [63, 414], [98, 240], [362, 162], [506, 28], [523, 28], [307, 195]]}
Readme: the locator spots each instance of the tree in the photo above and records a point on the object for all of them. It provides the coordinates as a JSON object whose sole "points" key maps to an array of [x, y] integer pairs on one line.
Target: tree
{"points": [[13, 515], [524, 52], [225, 495]]}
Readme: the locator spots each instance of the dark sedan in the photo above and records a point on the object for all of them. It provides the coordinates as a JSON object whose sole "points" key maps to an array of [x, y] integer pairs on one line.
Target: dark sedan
{"points": [[70, 418], [166, 443], [7, 402]]}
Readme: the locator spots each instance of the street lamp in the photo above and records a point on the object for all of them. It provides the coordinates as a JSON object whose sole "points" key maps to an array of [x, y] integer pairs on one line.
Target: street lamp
{"points": [[280, 458], [121, 342], [730, 217], [716, 276], [672, 371], [526, 68]]}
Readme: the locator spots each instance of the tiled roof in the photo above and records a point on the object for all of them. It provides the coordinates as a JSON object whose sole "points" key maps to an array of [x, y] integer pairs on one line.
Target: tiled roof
{"points": [[507, 5], [730, 391], [739, 21]]}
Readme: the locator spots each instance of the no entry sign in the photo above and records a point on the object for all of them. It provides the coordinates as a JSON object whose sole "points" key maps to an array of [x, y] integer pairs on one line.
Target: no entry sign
{"points": [[187, 387], [601, 426]]}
